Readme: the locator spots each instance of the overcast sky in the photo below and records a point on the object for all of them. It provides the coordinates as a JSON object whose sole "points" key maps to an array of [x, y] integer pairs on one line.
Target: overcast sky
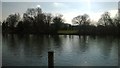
{"points": [[68, 9], [58, 0], [0, 11]]}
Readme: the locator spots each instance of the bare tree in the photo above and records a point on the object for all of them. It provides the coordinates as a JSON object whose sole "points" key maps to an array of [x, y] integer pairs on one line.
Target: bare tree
{"points": [[31, 12], [58, 20], [116, 20], [13, 20], [105, 19], [48, 18], [81, 20]]}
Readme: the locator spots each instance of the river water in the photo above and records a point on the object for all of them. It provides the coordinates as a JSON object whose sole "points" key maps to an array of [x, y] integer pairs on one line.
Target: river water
{"points": [[69, 50]]}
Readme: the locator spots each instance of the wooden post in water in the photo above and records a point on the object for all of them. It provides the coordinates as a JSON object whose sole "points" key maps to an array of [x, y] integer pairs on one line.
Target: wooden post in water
{"points": [[50, 59]]}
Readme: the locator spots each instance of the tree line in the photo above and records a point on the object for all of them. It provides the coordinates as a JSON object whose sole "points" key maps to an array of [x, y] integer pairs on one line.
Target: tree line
{"points": [[35, 21]]}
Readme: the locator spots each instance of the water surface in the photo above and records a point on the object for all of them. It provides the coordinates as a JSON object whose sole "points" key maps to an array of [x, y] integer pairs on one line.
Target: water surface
{"points": [[70, 50]]}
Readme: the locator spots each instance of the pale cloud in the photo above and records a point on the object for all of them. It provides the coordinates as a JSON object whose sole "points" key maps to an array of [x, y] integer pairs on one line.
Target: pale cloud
{"points": [[68, 16], [39, 6], [113, 12], [97, 15], [56, 4]]}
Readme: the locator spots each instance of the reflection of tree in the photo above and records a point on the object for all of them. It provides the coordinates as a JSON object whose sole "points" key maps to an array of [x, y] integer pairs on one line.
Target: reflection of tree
{"points": [[106, 44], [56, 39], [83, 43], [11, 42], [118, 41], [92, 37], [34, 45]]}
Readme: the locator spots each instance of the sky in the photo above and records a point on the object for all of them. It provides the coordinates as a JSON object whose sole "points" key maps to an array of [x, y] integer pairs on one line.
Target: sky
{"points": [[68, 9], [58, 0], [0, 11]]}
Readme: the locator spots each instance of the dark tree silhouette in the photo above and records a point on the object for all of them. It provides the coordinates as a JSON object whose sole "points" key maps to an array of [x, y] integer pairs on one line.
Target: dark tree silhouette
{"points": [[20, 27], [84, 23], [48, 18], [37, 22], [81, 20], [4, 26], [12, 21], [105, 19], [107, 25], [31, 12], [57, 22], [117, 22]]}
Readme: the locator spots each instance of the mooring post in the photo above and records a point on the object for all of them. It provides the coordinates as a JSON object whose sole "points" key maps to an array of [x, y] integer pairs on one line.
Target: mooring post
{"points": [[50, 59]]}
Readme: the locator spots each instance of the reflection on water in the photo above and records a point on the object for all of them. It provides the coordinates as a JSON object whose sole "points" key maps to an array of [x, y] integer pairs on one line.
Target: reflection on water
{"points": [[70, 50]]}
